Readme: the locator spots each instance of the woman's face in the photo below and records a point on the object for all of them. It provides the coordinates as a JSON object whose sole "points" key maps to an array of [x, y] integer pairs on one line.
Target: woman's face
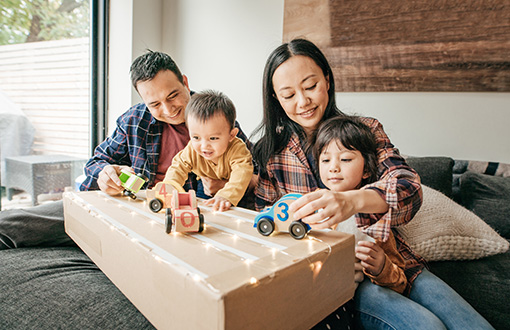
{"points": [[302, 90]]}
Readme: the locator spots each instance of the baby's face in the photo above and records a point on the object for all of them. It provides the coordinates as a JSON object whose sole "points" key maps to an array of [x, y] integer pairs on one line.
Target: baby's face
{"points": [[210, 138], [341, 169]]}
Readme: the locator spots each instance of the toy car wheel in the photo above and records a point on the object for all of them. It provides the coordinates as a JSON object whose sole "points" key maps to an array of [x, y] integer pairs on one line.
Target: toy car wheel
{"points": [[202, 221], [168, 221], [297, 230], [128, 193], [155, 205], [265, 227]]}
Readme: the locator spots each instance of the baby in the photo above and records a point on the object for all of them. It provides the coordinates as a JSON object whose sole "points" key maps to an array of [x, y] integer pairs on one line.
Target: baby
{"points": [[214, 151]]}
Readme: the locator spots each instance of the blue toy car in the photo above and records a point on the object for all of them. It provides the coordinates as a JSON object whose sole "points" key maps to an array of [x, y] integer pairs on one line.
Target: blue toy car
{"points": [[277, 218]]}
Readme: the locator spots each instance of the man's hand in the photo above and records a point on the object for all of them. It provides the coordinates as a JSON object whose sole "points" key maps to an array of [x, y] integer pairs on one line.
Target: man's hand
{"points": [[108, 179], [212, 186]]}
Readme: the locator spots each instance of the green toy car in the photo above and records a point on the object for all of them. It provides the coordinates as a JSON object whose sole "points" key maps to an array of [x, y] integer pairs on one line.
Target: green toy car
{"points": [[132, 183]]}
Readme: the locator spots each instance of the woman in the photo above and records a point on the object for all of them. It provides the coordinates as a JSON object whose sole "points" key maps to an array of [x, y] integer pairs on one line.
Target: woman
{"points": [[299, 94]]}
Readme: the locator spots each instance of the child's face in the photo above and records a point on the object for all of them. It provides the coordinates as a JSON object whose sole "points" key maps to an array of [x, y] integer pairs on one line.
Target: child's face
{"points": [[210, 138], [341, 169]]}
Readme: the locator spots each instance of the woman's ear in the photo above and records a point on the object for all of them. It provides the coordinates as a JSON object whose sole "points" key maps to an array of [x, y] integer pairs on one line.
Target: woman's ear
{"points": [[327, 81], [233, 133]]}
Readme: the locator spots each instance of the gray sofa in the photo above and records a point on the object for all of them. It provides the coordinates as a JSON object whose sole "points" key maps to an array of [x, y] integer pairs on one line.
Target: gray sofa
{"points": [[60, 287], [483, 188]]}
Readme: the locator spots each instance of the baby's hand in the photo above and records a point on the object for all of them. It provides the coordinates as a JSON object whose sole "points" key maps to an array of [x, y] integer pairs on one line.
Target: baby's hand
{"points": [[218, 203], [372, 257]]}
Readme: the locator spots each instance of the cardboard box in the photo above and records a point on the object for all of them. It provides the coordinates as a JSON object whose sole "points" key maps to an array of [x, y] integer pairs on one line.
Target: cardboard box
{"points": [[227, 277]]}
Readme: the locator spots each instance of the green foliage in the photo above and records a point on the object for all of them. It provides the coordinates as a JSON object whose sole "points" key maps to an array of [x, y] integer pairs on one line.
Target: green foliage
{"points": [[38, 20]]}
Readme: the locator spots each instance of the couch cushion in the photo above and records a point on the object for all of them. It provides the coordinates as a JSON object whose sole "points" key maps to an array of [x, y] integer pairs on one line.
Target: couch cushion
{"points": [[483, 283], [56, 288], [489, 197], [435, 172], [444, 230]]}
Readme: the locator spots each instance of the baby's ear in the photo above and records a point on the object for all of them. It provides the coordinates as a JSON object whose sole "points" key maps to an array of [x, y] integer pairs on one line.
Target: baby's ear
{"points": [[233, 133], [366, 175]]}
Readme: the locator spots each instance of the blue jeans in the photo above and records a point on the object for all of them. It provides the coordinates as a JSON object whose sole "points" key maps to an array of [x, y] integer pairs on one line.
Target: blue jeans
{"points": [[432, 304]]}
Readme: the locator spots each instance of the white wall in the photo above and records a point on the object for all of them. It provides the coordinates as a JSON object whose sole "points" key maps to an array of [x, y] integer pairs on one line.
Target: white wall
{"points": [[223, 45]]}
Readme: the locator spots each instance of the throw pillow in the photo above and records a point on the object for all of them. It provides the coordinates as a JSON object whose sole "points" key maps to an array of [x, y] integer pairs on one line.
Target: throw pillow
{"points": [[435, 172], [444, 230], [489, 198]]}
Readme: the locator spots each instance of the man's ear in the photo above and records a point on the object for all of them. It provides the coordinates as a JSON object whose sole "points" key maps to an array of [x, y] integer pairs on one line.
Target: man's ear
{"points": [[233, 133], [185, 81]]}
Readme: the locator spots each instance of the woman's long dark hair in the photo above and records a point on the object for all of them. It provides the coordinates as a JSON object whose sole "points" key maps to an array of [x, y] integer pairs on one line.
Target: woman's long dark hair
{"points": [[273, 138]]}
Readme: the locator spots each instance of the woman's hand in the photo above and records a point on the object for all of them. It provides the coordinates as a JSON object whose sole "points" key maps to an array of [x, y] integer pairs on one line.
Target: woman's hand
{"points": [[372, 257], [324, 208], [108, 179]]}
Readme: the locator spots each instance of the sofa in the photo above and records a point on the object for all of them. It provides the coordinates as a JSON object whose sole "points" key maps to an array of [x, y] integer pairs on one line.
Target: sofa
{"points": [[60, 287], [483, 188]]}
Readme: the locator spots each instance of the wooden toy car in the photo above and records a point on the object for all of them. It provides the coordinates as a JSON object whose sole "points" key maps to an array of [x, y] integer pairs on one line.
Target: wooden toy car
{"points": [[159, 196], [184, 213], [277, 217], [181, 208], [132, 182]]}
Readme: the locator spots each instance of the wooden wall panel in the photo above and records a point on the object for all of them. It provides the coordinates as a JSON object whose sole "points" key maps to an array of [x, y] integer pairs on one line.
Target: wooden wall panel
{"points": [[394, 45]]}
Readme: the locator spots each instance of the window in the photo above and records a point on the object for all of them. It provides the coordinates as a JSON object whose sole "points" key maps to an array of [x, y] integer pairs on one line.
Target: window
{"points": [[45, 91]]}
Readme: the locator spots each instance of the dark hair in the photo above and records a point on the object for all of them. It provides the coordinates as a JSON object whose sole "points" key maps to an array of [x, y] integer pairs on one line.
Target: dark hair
{"points": [[273, 138], [145, 67], [208, 103], [353, 134]]}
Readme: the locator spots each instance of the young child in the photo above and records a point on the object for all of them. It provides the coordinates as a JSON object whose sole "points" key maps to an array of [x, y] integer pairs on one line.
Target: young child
{"points": [[214, 151], [346, 152]]}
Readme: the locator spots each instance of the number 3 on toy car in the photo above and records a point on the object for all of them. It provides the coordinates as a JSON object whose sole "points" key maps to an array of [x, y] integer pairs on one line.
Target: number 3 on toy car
{"points": [[283, 212]]}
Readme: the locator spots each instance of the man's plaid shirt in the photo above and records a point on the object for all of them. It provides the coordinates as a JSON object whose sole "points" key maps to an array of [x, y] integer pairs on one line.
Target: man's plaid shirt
{"points": [[290, 172]]}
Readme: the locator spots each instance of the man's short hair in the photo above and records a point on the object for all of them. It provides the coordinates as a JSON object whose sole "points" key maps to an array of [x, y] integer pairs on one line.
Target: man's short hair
{"points": [[145, 67], [208, 103]]}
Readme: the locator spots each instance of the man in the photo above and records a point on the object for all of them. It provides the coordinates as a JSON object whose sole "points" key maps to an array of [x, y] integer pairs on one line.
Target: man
{"points": [[149, 134]]}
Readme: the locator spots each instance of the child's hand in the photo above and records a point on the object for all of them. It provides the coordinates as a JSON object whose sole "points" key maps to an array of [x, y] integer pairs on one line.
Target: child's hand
{"points": [[218, 203], [372, 257]]}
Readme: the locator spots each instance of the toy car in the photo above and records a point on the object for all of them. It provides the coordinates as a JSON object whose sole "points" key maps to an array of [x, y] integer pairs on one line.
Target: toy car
{"points": [[181, 208], [277, 218], [159, 196], [131, 182], [184, 213]]}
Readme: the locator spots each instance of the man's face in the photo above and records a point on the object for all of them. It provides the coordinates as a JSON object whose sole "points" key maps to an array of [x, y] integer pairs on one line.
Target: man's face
{"points": [[165, 96]]}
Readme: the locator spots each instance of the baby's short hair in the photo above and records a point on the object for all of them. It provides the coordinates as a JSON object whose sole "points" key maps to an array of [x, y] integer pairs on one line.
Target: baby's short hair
{"points": [[208, 103]]}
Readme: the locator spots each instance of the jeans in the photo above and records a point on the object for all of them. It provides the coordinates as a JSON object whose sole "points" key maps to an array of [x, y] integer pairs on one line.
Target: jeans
{"points": [[432, 304]]}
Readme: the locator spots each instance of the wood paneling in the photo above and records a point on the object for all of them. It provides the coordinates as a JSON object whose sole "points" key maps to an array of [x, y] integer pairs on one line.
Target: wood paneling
{"points": [[394, 45]]}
